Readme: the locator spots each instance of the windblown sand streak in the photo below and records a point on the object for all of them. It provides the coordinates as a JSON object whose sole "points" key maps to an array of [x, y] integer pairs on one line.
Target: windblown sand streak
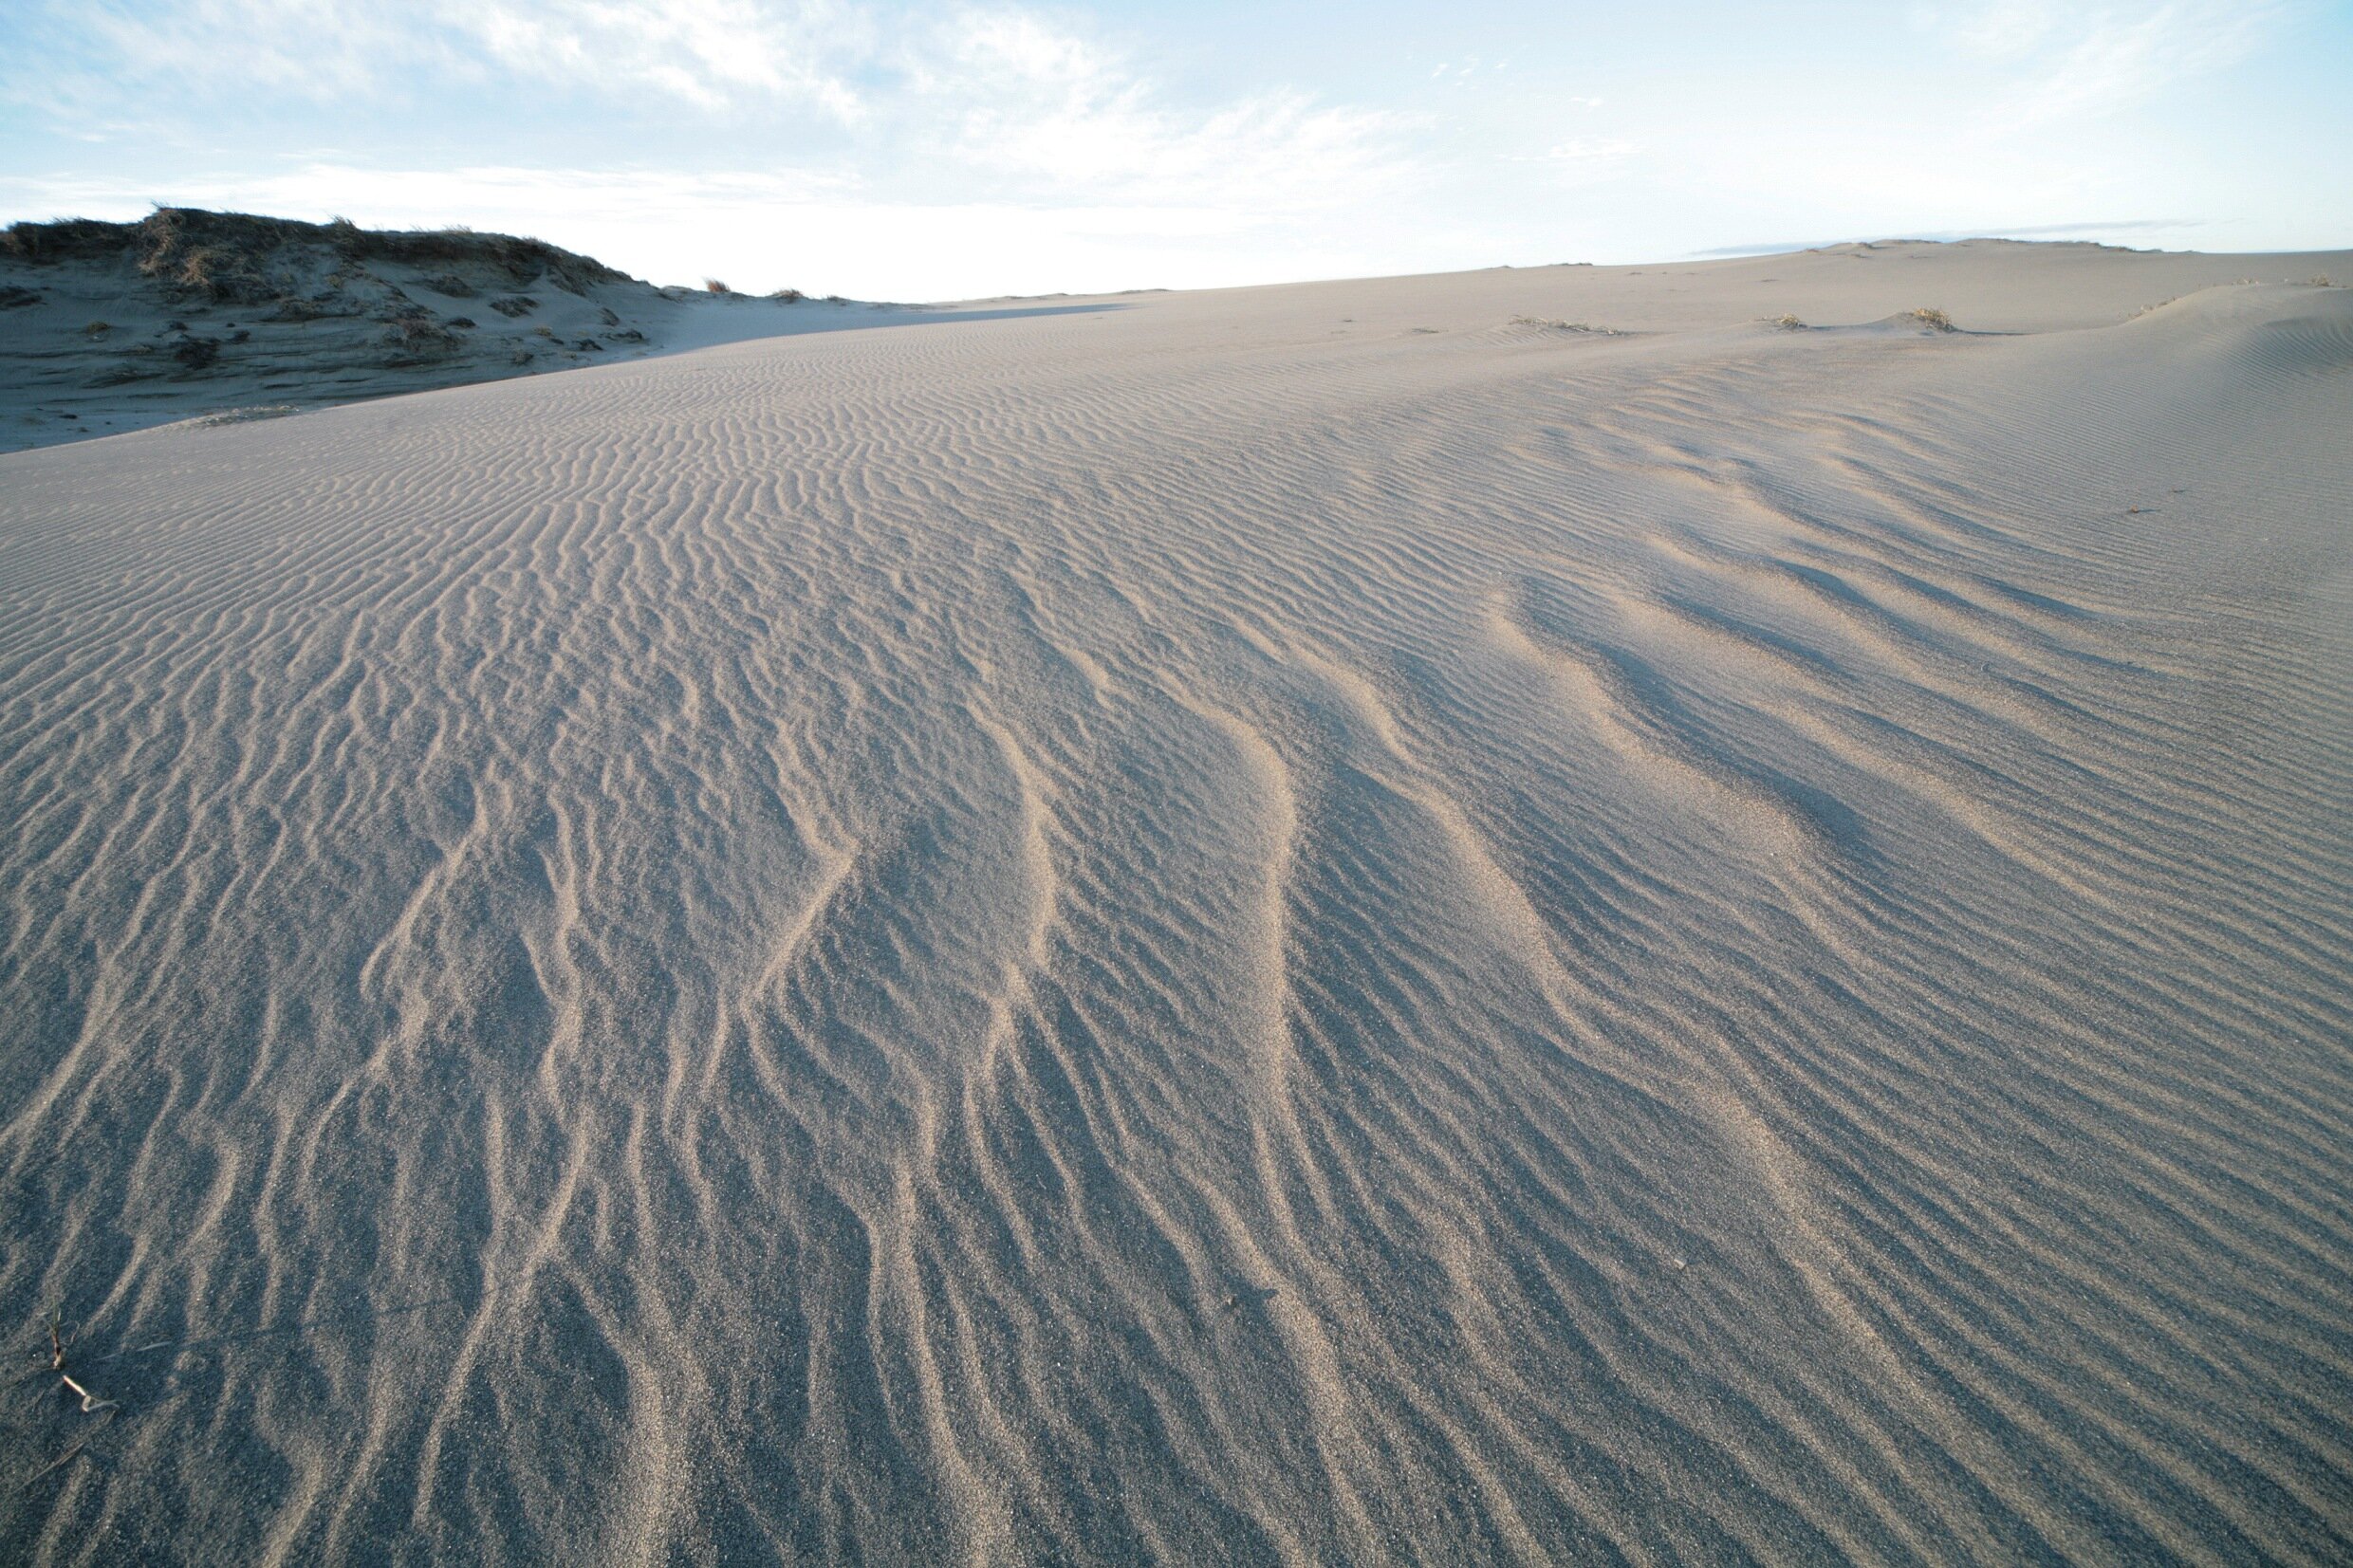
{"points": [[1211, 928]]}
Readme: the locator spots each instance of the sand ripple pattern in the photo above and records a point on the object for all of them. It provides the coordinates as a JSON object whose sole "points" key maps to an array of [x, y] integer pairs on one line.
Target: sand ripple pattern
{"points": [[1183, 935]]}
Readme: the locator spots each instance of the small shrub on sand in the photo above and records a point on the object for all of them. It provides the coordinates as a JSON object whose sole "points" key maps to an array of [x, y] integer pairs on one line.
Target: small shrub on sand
{"points": [[1786, 321], [713, 286], [1547, 323], [1935, 320], [2319, 280], [788, 296]]}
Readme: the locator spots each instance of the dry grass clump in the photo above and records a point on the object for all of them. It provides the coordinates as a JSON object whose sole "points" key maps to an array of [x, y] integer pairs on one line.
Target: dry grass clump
{"points": [[713, 286], [1931, 317], [246, 415], [788, 296], [64, 239], [520, 259], [61, 1363], [417, 333], [2319, 280], [1786, 321], [1547, 323], [193, 252]]}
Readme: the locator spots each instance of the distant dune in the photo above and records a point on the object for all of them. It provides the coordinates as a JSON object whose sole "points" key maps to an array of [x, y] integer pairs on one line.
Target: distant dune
{"points": [[1687, 913], [112, 327]]}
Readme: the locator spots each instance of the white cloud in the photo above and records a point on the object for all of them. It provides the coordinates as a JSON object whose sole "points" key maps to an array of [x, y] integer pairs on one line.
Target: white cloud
{"points": [[1582, 161], [709, 53], [316, 48], [1029, 108], [2120, 59], [1586, 149], [2073, 61], [2001, 29], [712, 53], [1031, 103]]}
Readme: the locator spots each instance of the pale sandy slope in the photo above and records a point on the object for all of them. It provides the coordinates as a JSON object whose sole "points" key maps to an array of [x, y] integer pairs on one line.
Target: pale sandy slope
{"points": [[1303, 925]]}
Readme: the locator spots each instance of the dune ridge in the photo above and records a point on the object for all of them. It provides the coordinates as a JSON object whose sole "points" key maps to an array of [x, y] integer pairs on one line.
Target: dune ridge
{"points": [[1302, 925], [230, 316]]}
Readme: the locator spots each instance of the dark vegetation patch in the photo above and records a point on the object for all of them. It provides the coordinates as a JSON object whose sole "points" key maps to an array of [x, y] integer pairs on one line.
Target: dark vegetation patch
{"points": [[418, 334], [231, 257], [196, 353]]}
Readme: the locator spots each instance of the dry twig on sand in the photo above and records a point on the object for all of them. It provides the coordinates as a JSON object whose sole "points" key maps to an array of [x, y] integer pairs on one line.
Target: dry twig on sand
{"points": [[91, 1403]]}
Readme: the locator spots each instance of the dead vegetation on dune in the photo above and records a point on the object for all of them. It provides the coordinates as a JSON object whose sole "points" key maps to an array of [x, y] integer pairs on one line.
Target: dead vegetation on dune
{"points": [[185, 301], [237, 258], [70, 1390], [1546, 324]]}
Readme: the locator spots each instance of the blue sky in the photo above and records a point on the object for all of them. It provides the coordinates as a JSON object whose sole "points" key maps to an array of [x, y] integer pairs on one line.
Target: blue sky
{"points": [[932, 151]]}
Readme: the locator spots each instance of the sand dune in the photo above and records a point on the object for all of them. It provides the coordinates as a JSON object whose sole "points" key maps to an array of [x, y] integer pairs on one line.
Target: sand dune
{"points": [[108, 327], [1352, 923]]}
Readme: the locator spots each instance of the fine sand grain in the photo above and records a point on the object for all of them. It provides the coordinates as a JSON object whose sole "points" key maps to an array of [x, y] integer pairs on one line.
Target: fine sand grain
{"points": [[1670, 914]]}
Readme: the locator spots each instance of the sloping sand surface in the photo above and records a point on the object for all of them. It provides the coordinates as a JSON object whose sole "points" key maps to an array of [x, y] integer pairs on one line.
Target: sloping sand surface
{"points": [[1355, 923]]}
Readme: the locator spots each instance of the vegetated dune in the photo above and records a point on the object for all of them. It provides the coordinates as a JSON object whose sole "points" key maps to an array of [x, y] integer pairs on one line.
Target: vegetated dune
{"points": [[106, 328], [1351, 923]]}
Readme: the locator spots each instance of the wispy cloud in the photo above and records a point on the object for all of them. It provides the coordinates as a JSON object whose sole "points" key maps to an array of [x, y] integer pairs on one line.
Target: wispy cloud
{"points": [[710, 54], [1590, 149], [1997, 30], [2123, 59], [2072, 61], [1028, 107], [1032, 108], [1582, 161]]}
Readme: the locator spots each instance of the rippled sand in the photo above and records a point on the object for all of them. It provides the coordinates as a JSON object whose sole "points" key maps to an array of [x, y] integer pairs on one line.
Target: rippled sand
{"points": [[1335, 924]]}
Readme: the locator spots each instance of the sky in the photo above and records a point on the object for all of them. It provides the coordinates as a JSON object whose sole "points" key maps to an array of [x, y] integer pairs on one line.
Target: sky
{"points": [[928, 151]]}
